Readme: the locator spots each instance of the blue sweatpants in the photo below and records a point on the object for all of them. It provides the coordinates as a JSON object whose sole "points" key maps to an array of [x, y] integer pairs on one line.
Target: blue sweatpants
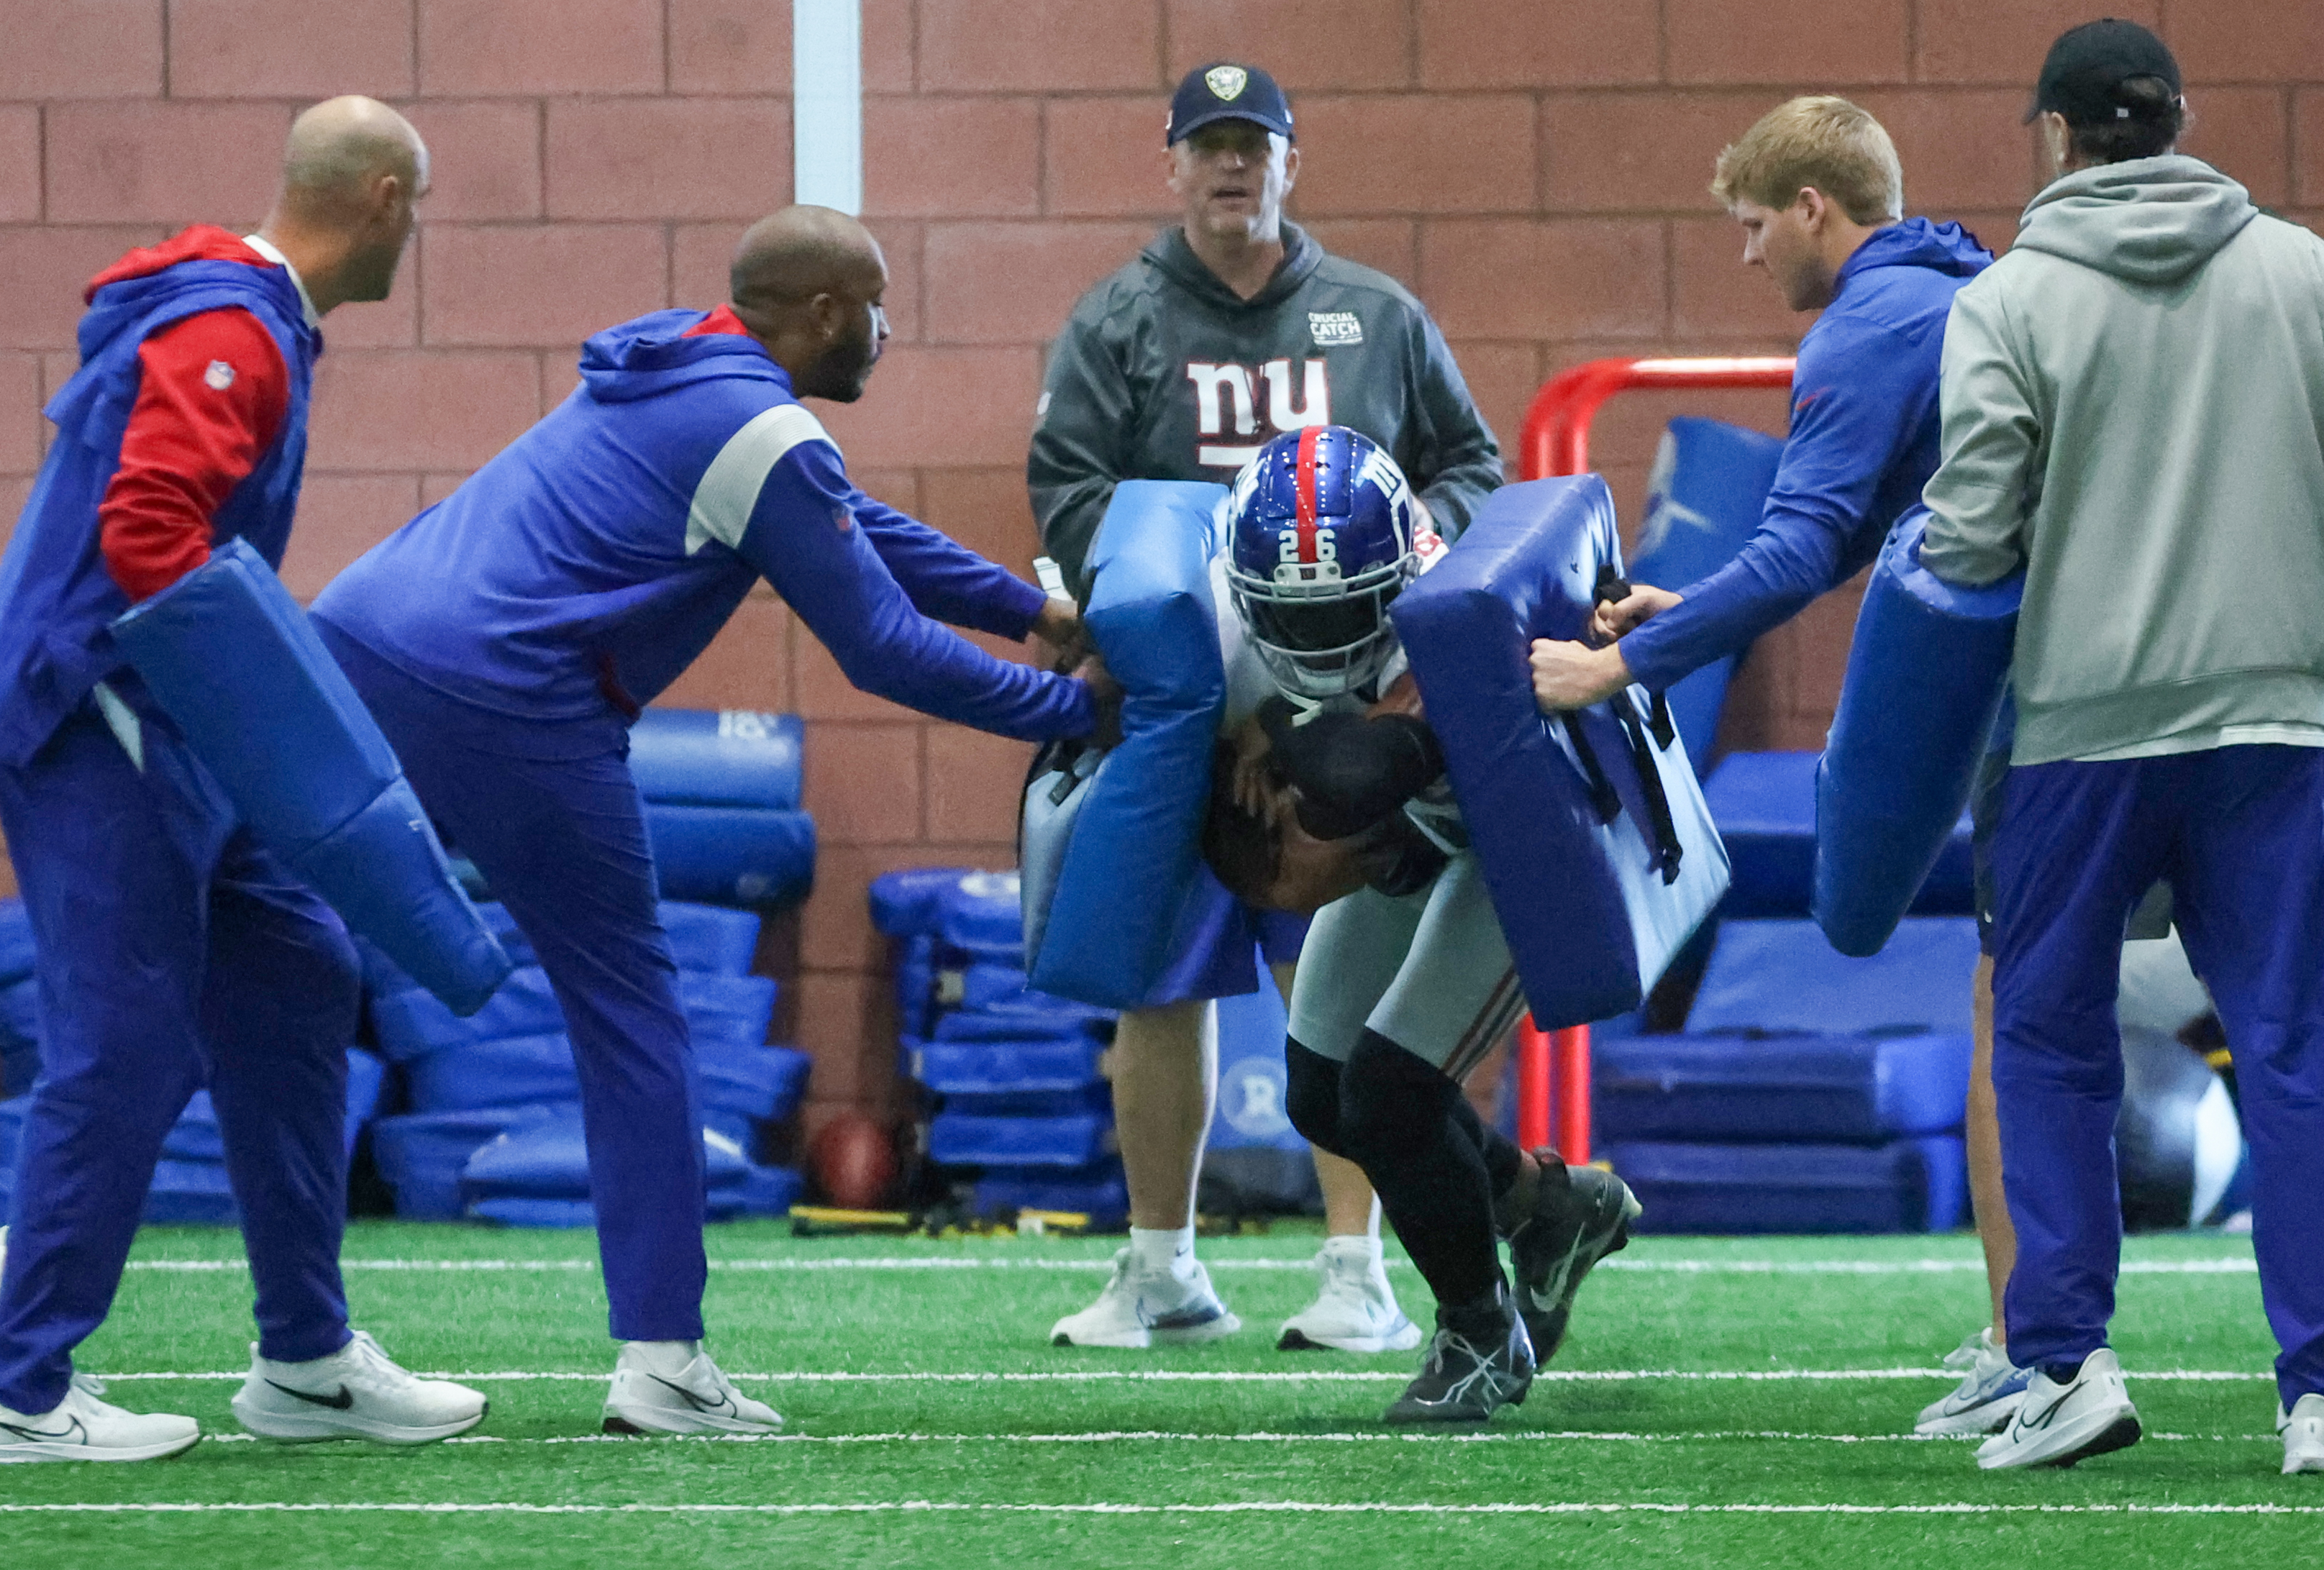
{"points": [[173, 949], [2238, 832], [550, 816]]}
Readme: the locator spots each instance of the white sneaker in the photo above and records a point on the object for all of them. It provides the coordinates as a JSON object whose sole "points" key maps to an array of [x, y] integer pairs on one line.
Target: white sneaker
{"points": [[1988, 1396], [358, 1392], [2302, 1428], [666, 1387], [84, 1428], [2058, 1425], [1141, 1309], [1354, 1308]]}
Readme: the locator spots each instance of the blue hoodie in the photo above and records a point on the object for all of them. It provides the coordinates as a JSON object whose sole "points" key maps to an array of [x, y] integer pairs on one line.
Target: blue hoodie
{"points": [[1863, 442], [580, 571], [57, 602]]}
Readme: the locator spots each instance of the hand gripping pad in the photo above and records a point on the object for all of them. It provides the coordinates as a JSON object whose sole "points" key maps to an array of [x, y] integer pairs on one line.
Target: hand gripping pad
{"points": [[229, 656], [1100, 912], [1925, 678], [1595, 884]]}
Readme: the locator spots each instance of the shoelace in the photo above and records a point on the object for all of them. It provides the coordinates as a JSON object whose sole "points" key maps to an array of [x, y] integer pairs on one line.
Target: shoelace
{"points": [[1480, 1371], [89, 1385], [1966, 1354]]}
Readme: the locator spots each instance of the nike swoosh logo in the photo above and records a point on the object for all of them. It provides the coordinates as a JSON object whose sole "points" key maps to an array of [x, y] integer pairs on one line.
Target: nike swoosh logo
{"points": [[74, 1433], [2048, 1412], [339, 1402], [720, 1406]]}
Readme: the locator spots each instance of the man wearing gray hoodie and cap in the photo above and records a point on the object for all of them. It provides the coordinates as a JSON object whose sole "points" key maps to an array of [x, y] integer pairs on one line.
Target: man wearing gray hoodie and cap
{"points": [[2133, 404]]}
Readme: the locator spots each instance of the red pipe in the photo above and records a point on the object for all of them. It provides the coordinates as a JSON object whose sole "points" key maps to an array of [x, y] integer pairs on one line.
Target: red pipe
{"points": [[1553, 1067]]}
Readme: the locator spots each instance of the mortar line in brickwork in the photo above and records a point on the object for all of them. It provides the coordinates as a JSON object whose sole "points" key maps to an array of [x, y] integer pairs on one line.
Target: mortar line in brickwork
{"points": [[665, 46], [165, 47]]}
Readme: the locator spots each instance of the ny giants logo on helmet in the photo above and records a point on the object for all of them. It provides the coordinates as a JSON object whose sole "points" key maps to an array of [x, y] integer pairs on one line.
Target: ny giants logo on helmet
{"points": [[1323, 543]]}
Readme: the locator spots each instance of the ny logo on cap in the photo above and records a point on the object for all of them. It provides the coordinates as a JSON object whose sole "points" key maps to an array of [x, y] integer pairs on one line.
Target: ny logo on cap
{"points": [[1226, 82]]}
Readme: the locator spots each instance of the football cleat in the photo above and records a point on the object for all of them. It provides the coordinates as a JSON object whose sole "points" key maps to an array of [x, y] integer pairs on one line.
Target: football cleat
{"points": [[2058, 1425], [1573, 1225], [1355, 1308], [1138, 1310], [358, 1392], [656, 1393], [83, 1427], [1987, 1397], [1480, 1361], [2302, 1428]]}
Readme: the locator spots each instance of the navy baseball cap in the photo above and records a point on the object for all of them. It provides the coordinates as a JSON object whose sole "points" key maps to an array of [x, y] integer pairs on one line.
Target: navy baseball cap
{"points": [[1227, 91], [2083, 76]]}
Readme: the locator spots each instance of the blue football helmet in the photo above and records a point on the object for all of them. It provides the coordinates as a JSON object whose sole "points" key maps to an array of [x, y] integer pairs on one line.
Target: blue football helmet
{"points": [[1321, 524]]}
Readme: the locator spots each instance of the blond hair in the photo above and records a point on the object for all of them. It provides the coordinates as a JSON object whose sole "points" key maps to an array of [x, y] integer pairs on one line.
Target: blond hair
{"points": [[1826, 142]]}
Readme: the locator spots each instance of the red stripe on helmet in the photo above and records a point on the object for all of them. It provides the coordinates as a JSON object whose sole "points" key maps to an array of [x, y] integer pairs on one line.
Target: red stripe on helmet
{"points": [[1304, 490]]}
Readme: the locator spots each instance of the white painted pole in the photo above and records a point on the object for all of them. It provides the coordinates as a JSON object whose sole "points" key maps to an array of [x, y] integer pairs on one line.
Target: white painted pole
{"points": [[828, 103]]}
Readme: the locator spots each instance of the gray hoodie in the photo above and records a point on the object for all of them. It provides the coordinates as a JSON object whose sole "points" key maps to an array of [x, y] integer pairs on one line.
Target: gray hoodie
{"points": [[1163, 372], [2133, 405]]}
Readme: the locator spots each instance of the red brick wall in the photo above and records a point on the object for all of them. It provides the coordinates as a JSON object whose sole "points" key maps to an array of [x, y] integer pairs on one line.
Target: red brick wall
{"points": [[1536, 170]]}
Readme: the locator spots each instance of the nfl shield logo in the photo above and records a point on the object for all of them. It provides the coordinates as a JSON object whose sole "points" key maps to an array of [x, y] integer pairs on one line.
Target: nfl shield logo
{"points": [[220, 375], [1226, 82]]}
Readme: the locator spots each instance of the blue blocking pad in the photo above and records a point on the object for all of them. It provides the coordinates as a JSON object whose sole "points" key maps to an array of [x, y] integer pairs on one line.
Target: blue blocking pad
{"points": [[1132, 847], [550, 1160], [228, 654], [482, 1074], [1927, 676], [740, 855], [1704, 499], [1097, 1191], [420, 1156], [1009, 1067], [1765, 804], [1737, 1089], [904, 904], [1596, 888], [410, 1024], [1906, 1186], [751, 1083], [190, 1194], [708, 939], [1782, 977], [971, 1139], [982, 917], [717, 757]]}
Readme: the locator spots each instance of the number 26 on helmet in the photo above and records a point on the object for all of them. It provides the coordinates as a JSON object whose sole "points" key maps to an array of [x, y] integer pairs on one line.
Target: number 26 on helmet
{"points": [[1322, 525]]}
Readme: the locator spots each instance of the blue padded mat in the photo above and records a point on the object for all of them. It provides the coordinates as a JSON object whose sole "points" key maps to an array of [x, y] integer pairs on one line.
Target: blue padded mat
{"points": [[1738, 1089], [717, 757], [1004, 1067], [1031, 1103], [506, 1073], [1782, 977], [768, 1191], [412, 1024], [16, 942], [980, 916], [708, 939], [1909, 1185], [1097, 1191], [190, 1194], [1765, 806], [732, 854], [904, 904], [729, 1010], [421, 1155], [965, 1140], [758, 1082], [550, 1160], [1704, 499]]}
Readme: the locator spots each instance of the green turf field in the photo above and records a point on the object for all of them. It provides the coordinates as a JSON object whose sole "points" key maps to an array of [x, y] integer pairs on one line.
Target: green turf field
{"points": [[1719, 1401]]}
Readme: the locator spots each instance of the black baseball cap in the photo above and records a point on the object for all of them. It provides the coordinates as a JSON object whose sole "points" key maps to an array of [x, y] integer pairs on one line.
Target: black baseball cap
{"points": [[1227, 91], [2083, 76]]}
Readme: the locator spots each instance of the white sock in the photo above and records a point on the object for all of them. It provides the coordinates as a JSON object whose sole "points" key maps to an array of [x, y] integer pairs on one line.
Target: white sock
{"points": [[668, 1358], [1162, 1251]]}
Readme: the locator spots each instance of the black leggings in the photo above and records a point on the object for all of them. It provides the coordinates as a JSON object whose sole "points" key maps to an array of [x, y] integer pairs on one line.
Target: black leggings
{"points": [[1436, 1166]]}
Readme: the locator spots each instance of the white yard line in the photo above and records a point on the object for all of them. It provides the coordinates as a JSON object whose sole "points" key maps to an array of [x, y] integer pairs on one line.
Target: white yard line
{"points": [[1241, 1376], [809, 1265], [1147, 1436], [1247, 1507]]}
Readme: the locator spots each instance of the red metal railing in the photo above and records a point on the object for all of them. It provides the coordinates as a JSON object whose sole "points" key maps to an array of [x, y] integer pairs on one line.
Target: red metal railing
{"points": [[1554, 1065]]}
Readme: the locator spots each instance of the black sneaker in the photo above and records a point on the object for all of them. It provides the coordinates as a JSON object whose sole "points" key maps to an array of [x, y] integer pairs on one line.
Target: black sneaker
{"points": [[1574, 1225], [1479, 1361]]}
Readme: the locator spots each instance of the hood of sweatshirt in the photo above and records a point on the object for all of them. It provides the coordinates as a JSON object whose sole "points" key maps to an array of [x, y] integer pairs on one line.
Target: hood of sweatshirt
{"points": [[202, 258], [1917, 242], [2149, 221], [1169, 255], [653, 354]]}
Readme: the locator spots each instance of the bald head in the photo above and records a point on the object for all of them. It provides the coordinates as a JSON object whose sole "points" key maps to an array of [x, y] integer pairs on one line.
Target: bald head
{"points": [[341, 148], [807, 283], [350, 176]]}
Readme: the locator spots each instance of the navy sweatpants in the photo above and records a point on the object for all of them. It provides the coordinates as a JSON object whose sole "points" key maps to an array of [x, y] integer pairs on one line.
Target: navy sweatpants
{"points": [[2238, 832], [550, 814], [173, 948]]}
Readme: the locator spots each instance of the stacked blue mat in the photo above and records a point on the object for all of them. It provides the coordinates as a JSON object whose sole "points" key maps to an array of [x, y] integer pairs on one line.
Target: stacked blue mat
{"points": [[1018, 1077], [495, 1127], [1809, 1093]]}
